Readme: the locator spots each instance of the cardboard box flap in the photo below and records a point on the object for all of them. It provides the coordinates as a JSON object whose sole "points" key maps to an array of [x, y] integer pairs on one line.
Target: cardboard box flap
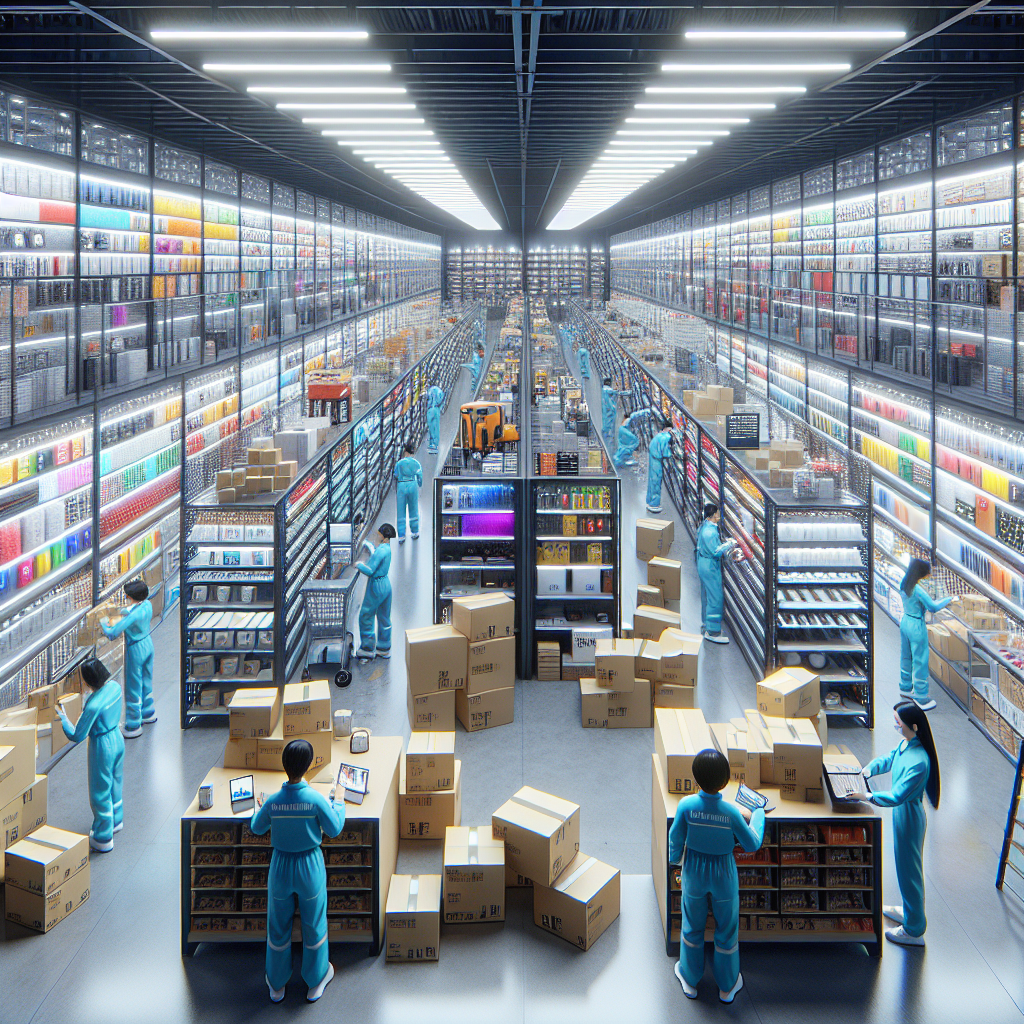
{"points": [[583, 877], [412, 894], [684, 731], [539, 812], [431, 743], [47, 844], [15, 717], [472, 845], [675, 642]]}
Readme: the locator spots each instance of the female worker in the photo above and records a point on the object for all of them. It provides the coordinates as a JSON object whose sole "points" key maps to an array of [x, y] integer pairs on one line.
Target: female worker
{"points": [[658, 451], [409, 474], [99, 720], [584, 355], [628, 441], [914, 674], [435, 401], [297, 817], [709, 552], [476, 366], [138, 658], [608, 408], [375, 614], [915, 771]]}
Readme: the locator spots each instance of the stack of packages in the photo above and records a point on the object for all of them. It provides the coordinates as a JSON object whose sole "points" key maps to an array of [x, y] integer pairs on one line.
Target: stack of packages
{"points": [[430, 786], [263, 720], [44, 700], [653, 615], [707, 405], [780, 461]]}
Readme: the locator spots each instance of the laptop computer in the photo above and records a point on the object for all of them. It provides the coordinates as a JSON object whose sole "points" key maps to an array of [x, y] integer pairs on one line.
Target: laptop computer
{"points": [[243, 796], [354, 781], [843, 779]]}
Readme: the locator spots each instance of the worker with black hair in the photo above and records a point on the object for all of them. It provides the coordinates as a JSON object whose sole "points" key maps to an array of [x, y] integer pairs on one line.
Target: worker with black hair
{"points": [[709, 551], [409, 474], [658, 452], [139, 707], [914, 672], [608, 408], [297, 817], [476, 366], [375, 614]]}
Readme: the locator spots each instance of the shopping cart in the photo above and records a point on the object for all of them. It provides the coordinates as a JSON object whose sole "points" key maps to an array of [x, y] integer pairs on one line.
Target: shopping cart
{"points": [[330, 646]]}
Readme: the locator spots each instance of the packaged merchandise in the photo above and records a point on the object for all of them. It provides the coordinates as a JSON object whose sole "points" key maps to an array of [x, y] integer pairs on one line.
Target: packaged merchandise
{"points": [[427, 815], [491, 665], [541, 833], [254, 712], [679, 735], [435, 659], [412, 919], [430, 762], [654, 538], [666, 575], [432, 711], [614, 664], [305, 706], [474, 876], [791, 692], [486, 709], [650, 622], [484, 617], [43, 861], [581, 903], [41, 912]]}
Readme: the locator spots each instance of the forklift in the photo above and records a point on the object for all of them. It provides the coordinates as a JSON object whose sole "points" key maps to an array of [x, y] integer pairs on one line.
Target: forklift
{"points": [[485, 430]]}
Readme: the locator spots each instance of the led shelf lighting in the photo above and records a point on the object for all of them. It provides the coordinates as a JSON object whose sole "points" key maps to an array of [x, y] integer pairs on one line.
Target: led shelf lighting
{"points": [[723, 89], [346, 106], [703, 106]]}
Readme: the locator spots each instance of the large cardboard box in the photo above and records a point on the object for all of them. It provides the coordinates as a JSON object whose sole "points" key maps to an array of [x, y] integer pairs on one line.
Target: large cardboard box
{"points": [[41, 913], [541, 833], [427, 815], [492, 664], [72, 705], [654, 538], [593, 704], [796, 752], [484, 617], [957, 647], [668, 695], [22, 816], [681, 655], [435, 659], [744, 762], [241, 753], [486, 710], [650, 622], [759, 739], [679, 735], [789, 693], [582, 902], [44, 700], [306, 707], [17, 760], [270, 748], [254, 712], [647, 662], [430, 762], [666, 574], [432, 711], [474, 876], [613, 664], [630, 709], [412, 919], [705, 407], [45, 860]]}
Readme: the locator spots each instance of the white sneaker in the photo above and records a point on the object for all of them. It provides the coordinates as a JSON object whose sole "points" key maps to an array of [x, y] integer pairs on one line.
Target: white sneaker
{"points": [[118, 828], [688, 990], [401, 540], [901, 938], [415, 536], [276, 994], [149, 721], [95, 844], [654, 511], [315, 993], [925, 705], [893, 914], [364, 655], [383, 654], [728, 997], [716, 638], [130, 734]]}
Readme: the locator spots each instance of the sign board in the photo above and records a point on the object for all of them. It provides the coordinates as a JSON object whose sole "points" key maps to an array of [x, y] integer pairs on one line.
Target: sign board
{"points": [[743, 430]]}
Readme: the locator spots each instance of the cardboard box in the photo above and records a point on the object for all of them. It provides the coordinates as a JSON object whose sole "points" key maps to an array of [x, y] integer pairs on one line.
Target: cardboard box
{"points": [[484, 617], [72, 705], [788, 454], [688, 397], [474, 876], [679, 735], [254, 712], [681, 655], [44, 700], [649, 622], [593, 704], [486, 710], [791, 692], [225, 478], [432, 711], [44, 861], [744, 763], [491, 665], [957, 648], [17, 760], [41, 913], [551, 579], [647, 661], [705, 408], [238, 478], [581, 903], [649, 595], [654, 538], [668, 695], [270, 456], [720, 394], [22, 816], [241, 753], [630, 709], [227, 495], [306, 707], [412, 919], [796, 752], [613, 664], [584, 643], [665, 573], [270, 471], [270, 748], [435, 659], [430, 762], [541, 833], [427, 815], [514, 880]]}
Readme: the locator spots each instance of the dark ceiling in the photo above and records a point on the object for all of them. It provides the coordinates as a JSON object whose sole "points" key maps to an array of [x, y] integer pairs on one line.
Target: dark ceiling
{"points": [[523, 94]]}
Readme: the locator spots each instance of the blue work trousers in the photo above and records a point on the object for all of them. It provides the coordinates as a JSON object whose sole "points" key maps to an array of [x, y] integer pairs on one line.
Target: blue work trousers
{"points": [[408, 504], [909, 824], [434, 427], [628, 443], [711, 598], [138, 682], [654, 472], [375, 615], [106, 774], [914, 672], [297, 878], [714, 875]]}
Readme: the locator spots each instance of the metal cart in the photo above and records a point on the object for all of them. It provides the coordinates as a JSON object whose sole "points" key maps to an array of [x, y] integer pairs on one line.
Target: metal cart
{"points": [[330, 645]]}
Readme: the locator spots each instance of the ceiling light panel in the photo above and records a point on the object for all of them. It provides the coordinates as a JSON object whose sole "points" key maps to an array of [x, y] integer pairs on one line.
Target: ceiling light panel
{"points": [[346, 106], [270, 35], [329, 69], [794, 35], [720, 69], [703, 106], [696, 90], [685, 120], [285, 89], [364, 121]]}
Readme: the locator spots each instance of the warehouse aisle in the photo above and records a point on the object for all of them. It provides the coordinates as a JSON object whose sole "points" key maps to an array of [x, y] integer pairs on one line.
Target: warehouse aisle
{"points": [[130, 926]]}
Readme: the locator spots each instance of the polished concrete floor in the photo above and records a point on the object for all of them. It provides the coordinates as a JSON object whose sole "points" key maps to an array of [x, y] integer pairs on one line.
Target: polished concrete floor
{"points": [[117, 959]]}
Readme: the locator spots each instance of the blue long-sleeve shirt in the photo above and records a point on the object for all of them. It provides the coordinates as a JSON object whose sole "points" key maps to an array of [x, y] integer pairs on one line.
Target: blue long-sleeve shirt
{"points": [[134, 624], [910, 767], [660, 446], [407, 470], [435, 397], [709, 541], [378, 564], [918, 601], [101, 713], [295, 816], [708, 824]]}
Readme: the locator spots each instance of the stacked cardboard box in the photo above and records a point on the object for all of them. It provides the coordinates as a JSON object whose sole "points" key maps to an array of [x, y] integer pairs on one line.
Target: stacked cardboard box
{"points": [[46, 876], [412, 919], [654, 538], [575, 896], [715, 401], [23, 794], [665, 574], [474, 876], [436, 659], [790, 752], [488, 698], [679, 735], [89, 631], [549, 660], [430, 787], [266, 471], [649, 622]]}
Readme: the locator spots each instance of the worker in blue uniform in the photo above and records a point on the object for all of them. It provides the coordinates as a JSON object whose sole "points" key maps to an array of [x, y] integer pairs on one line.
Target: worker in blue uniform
{"points": [[628, 441], [709, 551], [584, 357], [297, 816], [476, 366], [658, 452], [914, 672], [100, 717], [609, 408], [375, 614], [409, 474], [435, 402], [140, 708], [703, 834], [914, 765]]}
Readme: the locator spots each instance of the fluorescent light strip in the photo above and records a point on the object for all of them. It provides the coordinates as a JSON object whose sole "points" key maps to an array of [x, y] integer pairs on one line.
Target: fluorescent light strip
{"points": [[384, 145], [327, 90], [268, 35], [731, 89], [798, 35], [647, 143], [371, 133], [300, 68], [658, 133], [686, 120], [364, 121], [703, 106], [346, 106], [743, 68]]}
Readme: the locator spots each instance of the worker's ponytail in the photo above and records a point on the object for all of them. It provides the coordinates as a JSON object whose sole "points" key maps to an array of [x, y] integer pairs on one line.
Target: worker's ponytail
{"points": [[912, 715]]}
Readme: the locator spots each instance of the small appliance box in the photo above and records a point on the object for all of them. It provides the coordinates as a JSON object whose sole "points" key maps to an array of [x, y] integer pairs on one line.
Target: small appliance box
{"points": [[485, 710], [551, 579], [253, 713], [613, 664], [679, 735], [430, 762], [474, 876], [541, 833], [42, 862], [789, 693], [432, 711], [484, 617], [412, 918], [586, 579], [654, 538], [427, 815], [665, 573], [492, 665], [435, 659], [582, 902], [306, 707]]}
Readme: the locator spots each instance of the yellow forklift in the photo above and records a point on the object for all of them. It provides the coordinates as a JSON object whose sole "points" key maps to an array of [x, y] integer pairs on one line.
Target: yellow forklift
{"points": [[485, 430]]}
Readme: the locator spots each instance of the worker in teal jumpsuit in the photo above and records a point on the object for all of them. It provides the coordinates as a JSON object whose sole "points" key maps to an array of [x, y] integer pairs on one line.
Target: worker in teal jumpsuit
{"points": [[914, 672], [139, 707], [658, 451], [476, 366], [703, 834], [375, 614], [584, 355], [914, 765], [609, 408], [709, 551], [409, 474], [435, 401], [101, 715], [628, 441], [295, 816]]}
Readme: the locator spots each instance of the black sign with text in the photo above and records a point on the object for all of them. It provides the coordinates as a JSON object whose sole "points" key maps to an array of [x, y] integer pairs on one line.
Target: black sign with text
{"points": [[743, 430]]}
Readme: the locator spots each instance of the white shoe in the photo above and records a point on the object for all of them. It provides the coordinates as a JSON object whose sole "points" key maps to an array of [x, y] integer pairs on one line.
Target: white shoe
{"points": [[95, 844], [901, 938], [893, 914], [118, 828], [401, 540], [925, 705], [276, 994], [315, 993], [654, 511], [415, 536], [364, 655], [688, 990], [149, 721], [130, 734], [728, 997], [383, 654], [716, 638]]}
